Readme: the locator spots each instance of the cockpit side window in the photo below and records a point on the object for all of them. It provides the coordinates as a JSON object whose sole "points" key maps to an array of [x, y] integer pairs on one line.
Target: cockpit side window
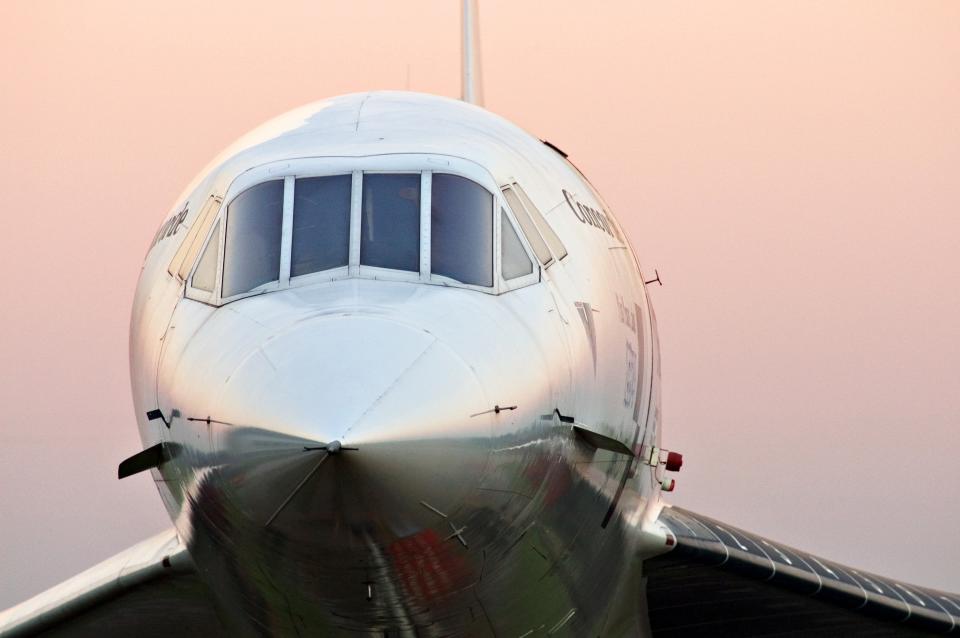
{"points": [[461, 230], [205, 276], [390, 221], [251, 254], [187, 253], [553, 241], [514, 261], [321, 224], [527, 227]]}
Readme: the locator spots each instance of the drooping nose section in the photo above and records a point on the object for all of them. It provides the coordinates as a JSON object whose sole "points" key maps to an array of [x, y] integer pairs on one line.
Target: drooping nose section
{"points": [[351, 424]]}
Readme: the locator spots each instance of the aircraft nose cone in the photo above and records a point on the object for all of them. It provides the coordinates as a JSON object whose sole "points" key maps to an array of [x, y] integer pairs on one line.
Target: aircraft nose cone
{"points": [[351, 423]]}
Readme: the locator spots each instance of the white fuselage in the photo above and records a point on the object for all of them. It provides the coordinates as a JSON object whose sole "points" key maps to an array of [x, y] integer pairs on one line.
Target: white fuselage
{"points": [[467, 506]]}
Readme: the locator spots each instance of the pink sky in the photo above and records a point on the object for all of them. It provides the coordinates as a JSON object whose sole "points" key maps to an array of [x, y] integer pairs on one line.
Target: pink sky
{"points": [[790, 168]]}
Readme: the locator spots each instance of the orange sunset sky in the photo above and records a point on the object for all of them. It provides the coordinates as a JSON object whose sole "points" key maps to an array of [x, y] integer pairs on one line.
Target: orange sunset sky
{"points": [[791, 168]]}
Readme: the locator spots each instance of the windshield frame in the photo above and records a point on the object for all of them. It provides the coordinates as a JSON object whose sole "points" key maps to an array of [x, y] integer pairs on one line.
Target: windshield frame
{"points": [[423, 164]]}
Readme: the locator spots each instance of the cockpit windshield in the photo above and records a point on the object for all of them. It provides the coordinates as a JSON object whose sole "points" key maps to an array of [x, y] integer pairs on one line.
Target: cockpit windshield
{"points": [[390, 221], [461, 230], [251, 254], [321, 224], [428, 226]]}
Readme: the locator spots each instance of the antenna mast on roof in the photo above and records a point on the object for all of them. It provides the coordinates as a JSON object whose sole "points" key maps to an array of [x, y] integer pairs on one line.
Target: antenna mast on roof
{"points": [[471, 80]]}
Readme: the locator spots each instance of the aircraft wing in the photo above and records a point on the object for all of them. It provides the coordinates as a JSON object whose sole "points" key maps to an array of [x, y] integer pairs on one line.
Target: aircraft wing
{"points": [[718, 580], [150, 589]]}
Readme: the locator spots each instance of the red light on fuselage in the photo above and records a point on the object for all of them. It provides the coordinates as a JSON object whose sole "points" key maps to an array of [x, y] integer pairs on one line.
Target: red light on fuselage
{"points": [[674, 461]]}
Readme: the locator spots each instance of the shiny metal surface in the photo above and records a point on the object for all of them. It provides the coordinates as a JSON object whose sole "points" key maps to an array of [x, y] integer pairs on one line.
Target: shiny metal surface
{"points": [[445, 516], [728, 577]]}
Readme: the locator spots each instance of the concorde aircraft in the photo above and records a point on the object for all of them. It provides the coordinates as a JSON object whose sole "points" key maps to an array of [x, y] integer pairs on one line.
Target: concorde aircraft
{"points": [[396, 373]]}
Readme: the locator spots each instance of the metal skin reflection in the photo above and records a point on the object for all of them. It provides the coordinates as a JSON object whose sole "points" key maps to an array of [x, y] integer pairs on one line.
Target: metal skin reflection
{"points": [[363, 456]]}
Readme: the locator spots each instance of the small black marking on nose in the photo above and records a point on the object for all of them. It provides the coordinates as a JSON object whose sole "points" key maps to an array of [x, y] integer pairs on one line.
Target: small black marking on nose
{"points": [[433, 509], [458, 534], [153, 415]]}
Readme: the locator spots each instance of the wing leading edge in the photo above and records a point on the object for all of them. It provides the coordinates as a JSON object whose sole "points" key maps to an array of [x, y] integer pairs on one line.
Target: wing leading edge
{"points": [[150, 589], [719, 580]]}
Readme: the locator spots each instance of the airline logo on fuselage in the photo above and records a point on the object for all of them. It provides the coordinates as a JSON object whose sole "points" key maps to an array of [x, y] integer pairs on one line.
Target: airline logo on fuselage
{"points": [[591, 216], [170, 227]]}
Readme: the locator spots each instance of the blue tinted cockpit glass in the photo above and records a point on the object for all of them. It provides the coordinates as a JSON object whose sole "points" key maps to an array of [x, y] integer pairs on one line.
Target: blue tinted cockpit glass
{"points": [[461, 230], [321, 224], [390, 221], [251, 254]]}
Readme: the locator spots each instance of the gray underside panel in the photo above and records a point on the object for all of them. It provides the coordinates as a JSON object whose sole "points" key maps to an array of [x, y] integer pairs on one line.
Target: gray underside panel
{"points": [[722, 581], [178, 605]]}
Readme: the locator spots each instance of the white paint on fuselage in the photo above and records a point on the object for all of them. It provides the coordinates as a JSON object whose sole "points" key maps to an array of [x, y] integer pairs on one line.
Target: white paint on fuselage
{"points": [[246, 363]]}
